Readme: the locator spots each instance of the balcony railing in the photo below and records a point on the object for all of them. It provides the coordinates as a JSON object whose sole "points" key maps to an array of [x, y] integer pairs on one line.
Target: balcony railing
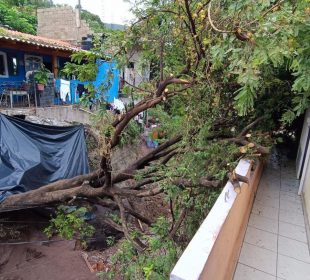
{"points": [[213, 252]]}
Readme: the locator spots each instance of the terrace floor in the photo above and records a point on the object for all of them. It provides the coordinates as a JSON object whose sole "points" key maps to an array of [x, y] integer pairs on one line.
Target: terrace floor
{"points": [[275, 245]]}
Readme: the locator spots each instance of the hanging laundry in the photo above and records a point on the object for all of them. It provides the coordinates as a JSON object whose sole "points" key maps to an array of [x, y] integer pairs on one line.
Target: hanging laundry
{"points": [[65, 90]]}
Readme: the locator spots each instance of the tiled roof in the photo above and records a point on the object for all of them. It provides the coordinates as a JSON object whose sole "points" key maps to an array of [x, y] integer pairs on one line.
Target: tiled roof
{"points": [[35, 40]]}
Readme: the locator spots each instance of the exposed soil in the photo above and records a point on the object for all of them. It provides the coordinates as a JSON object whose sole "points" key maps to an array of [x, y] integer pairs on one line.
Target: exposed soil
{"points": [[59, 259], [55, 260]]}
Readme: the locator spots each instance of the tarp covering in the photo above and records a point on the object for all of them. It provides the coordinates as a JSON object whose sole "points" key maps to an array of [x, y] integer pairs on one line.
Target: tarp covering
{"points": [[33, 155]]}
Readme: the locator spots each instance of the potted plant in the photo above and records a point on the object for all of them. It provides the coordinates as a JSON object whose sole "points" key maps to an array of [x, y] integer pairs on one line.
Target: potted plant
{"points": [[41, 77]]}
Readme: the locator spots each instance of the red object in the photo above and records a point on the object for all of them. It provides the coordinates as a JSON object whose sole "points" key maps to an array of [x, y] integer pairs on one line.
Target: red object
{"points": [[40, 87]]}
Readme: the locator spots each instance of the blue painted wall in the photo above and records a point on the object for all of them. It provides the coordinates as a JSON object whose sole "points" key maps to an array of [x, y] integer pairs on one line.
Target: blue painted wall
{"points": [[21, 63], [108, 75], [106, 84]]}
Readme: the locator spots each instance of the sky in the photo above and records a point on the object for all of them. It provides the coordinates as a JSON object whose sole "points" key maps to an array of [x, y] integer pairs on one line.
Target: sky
{"points": [[110, 11]]}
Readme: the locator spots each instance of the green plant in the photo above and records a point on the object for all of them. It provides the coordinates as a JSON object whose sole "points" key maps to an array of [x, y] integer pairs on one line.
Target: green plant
{"points": [[130, 134], [110, 241], [70, 224], [106, 275], [41, 75], [153, 264]]}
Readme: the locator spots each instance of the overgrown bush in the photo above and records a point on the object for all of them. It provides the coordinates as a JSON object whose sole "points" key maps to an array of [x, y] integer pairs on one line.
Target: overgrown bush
{"points": [[70, 224]]}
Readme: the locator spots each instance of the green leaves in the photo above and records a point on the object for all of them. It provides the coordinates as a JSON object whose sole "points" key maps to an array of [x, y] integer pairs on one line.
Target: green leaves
{"points": [[18, 20], [69, 223], [153, 264]]}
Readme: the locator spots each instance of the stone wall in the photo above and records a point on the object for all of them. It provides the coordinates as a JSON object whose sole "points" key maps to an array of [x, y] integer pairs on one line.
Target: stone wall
{"points": [[65, 113], [61, 23]]}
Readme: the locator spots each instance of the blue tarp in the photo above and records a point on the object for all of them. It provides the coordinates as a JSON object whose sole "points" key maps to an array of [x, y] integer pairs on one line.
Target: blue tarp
{"points": [[33, 155]]}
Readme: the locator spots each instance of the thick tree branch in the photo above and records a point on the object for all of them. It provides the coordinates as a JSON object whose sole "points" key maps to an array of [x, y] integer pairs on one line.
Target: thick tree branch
{"points": [[203, 182], [142, 162], [136, 242], [151, 192], [112, 205], [245, 130], [178, 223]]}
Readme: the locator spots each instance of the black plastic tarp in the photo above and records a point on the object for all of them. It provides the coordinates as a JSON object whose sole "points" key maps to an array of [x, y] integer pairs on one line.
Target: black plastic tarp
{"points": [[33, 155]]}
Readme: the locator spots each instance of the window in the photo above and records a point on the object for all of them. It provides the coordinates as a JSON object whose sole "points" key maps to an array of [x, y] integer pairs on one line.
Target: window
{"points": [[12, 65], [131, 65], [32, 62], [3, 65]]}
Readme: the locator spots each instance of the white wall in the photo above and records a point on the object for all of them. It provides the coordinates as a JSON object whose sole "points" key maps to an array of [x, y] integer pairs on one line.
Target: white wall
{"points": [[302, 144], [304, 174], [138, 74]]}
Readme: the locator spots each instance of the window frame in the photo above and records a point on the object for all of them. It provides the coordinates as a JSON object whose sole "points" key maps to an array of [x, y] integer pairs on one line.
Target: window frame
{"points": [[5, 60], [26, 56]]}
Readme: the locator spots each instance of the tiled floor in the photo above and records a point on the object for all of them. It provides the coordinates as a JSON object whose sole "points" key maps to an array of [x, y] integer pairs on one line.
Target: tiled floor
{"points": [[275, 244]]}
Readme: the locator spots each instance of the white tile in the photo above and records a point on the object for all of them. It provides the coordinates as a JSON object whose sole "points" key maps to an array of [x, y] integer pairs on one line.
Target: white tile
{"points": [[270, 184], [291, 269], [263, 223], [292, 194], [265, 201], [289, 180], [293, 231], [263, 193], [289, 186], [270, 181], [260, 238], [290, 197], [265, 211], [295, 249], [261, 259], [289, 189], [293, 206], [244, 272], [291, 217]]}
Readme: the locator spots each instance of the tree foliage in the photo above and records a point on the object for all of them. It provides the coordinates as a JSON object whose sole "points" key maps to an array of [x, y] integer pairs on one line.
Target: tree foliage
{"points": [[16, 19], [94, 21], [21, 15], [224, 77]]}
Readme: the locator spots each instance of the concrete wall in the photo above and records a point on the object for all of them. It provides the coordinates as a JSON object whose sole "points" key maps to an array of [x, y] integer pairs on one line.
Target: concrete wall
{"points": [[59, 113], [61, 23], [224, 256], [140, 73], [65, 113], [213, 252]]}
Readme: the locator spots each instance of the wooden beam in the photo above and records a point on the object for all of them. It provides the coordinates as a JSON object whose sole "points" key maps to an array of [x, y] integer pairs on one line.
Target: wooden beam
{"points": [[55, 65]]}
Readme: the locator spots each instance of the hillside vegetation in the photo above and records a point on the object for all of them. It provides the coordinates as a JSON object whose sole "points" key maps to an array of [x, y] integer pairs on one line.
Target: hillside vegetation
{"points": [[20, 15]]}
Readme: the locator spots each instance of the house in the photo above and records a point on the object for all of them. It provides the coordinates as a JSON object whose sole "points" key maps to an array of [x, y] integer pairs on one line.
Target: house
{"points": [[137, 71], [21, 52]]}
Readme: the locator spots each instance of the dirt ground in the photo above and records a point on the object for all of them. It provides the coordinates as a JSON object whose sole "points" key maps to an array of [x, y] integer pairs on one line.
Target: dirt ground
{"points": [[32, 262], [35, 259]]}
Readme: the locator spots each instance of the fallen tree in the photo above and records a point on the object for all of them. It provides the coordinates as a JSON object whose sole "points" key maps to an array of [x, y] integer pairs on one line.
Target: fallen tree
{"points": [[103, 183]]}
